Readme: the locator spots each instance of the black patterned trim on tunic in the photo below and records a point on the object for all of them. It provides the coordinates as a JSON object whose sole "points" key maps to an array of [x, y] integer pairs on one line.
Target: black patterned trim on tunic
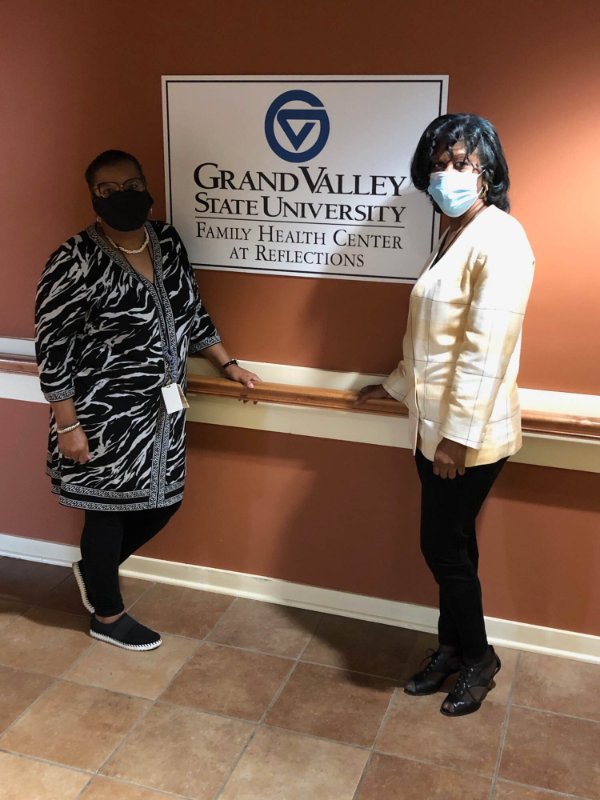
{"points": [[161, 424], [204, 343], [162, 468], [72, 488], [50, 471], [63, 394], [88, 506], [163, 305]]}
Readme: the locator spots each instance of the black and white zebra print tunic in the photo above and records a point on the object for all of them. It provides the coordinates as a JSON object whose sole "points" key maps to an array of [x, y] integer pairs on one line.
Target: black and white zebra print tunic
{"points": [[105, 337]]}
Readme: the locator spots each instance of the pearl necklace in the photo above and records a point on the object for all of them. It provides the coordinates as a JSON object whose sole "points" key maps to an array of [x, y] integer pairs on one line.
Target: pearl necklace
{"points": [[125, 250]]}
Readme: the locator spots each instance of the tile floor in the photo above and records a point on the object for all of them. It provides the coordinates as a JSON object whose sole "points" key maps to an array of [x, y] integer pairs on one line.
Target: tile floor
{"points": [[252, 701]]}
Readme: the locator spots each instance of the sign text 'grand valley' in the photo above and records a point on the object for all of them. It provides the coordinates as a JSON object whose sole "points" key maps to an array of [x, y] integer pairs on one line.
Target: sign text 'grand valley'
{"points": [[209, 176]]}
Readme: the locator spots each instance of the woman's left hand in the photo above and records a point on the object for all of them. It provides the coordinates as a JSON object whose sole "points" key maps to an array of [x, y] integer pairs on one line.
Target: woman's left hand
{"points": [[449, 459], [241, 375]]}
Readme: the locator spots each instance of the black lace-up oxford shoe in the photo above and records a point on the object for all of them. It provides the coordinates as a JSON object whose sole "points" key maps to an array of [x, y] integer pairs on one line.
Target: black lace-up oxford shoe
{"points": [[442, 664], [472, 686]]}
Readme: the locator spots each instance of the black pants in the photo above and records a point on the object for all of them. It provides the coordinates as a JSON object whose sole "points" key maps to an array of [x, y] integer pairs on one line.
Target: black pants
{"points": [[108, 538], [449, 544]]}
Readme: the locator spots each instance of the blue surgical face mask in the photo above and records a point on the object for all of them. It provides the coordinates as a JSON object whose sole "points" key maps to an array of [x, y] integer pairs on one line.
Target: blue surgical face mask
{"points": [[454, 191]]}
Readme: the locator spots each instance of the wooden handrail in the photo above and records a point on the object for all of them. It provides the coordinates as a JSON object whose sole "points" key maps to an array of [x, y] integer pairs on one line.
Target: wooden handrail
{"points": [[571, 425], [532, 421], [582, 427], [20, 364], [290, 394]]}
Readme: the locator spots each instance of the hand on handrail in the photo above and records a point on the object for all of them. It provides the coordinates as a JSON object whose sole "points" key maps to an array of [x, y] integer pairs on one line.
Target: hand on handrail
{"points": [[374, 391]]}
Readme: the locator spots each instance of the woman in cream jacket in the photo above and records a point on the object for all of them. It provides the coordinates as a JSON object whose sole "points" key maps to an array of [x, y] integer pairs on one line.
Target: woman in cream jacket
{"points": [[458, 379]]}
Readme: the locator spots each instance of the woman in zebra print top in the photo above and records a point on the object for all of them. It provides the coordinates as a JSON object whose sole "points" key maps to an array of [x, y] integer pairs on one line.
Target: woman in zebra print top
{"points": [[117, 314]]}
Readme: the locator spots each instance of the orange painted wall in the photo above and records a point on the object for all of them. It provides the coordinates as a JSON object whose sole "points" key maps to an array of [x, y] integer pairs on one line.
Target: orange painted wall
{"points": [[341, 516], [78, 77]]}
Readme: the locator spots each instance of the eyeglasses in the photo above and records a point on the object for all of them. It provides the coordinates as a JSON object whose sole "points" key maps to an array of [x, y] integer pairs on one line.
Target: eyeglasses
{"points": [[459, 164], [107, 188]]}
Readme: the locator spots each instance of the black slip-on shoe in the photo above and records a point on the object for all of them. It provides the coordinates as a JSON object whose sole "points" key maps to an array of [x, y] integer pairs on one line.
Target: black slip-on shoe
{"points": [[85, 599], [125, 632]]}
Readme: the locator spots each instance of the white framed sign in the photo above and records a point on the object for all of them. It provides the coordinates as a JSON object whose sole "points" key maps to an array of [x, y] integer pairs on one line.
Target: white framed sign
{"points": [[304, 176]]}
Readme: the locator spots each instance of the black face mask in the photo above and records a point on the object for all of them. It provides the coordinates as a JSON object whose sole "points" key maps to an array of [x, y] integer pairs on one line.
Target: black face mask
{"points": [[124, 211]]}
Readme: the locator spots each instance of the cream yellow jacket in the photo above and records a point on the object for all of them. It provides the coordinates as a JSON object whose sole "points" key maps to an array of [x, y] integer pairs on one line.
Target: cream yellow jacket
{"points": [[461, 349]]}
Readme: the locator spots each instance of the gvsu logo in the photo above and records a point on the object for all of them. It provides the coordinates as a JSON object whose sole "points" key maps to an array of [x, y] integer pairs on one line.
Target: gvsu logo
{"points": [[296, 134]]}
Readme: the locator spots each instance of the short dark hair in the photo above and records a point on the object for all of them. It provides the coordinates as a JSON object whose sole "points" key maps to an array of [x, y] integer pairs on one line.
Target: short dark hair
{"points": [[108, 159], [478, 135]]}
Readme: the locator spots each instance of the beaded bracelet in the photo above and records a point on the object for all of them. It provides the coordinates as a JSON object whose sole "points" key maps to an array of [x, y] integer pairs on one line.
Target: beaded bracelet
{"points": [[69, 428], [229, 363]]}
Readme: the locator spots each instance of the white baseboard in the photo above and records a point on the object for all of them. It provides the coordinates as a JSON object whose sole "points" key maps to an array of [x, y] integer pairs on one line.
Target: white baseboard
{"points": [[533, 638], [38, 550]]}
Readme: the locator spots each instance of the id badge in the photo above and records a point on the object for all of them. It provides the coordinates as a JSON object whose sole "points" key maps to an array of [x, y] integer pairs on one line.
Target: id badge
{"points": [[174, 398]]}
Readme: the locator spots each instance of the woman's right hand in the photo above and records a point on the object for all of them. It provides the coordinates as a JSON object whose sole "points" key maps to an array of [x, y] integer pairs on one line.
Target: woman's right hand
{"points": [[374, 391], [74, 445]]}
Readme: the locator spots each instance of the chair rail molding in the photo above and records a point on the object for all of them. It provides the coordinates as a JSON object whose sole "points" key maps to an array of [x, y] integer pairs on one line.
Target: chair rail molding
{"points": [[560, 429]]}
